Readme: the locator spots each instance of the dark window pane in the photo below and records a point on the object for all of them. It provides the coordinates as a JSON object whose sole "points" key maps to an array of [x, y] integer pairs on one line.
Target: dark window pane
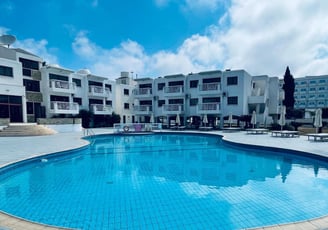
{"points": [[31, 85], [232, 100], [77, 82], [232, 81], [193, 101], [193, 84], [160, 86], [57, 77], [15, 100], [58, 98], [29, 64], [77, 100], [6, 71], [95, 83], [29, 107]]}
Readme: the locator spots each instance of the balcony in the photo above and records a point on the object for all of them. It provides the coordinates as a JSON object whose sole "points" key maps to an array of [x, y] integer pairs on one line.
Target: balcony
{"points": [[58, 86], [257, 96], [208, 108], [173, 90], [61, 107], [98, 91], [100, 109], [173, 109], [209, 88], [142, 92], [142, 109]]}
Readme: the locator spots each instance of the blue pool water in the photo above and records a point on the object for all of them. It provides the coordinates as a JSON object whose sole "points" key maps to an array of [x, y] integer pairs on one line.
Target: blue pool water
{"points": [[166, 181]]}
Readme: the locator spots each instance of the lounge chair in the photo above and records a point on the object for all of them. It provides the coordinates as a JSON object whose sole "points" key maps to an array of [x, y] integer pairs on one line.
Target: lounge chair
{"points": [[318, 136]]}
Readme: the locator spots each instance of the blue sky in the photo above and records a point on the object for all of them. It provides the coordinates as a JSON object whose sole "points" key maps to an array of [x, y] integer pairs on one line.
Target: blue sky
{"points": [[153, 38]]}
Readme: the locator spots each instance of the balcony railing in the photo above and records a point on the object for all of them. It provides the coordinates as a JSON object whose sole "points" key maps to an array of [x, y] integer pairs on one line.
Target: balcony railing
{"points": [[99, 91], [142, 109], [173, 108], [208, 108], [209, 87], [173, 90], [142, 92], [64, 107], [62, 86], [101, 109]]}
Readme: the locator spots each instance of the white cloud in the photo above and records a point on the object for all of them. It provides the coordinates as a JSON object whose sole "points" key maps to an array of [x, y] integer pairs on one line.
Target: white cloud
{"points": [[266, 36], [3, 30], [262, 37], [39, 48]]}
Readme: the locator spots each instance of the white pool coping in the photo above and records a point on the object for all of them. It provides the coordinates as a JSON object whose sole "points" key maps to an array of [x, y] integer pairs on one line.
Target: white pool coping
{"points": [[15, 149]]}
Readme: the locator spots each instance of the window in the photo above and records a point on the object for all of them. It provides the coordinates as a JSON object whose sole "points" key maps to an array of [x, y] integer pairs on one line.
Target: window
{"points": [[77, 82], [59, 98], [232, 81], [126, 92], [108, 86], [160, 86], [160, 103], [193, 101], [175, 83], [312, 89], [212, 80], [95, 83], [232, 100], [29, 64], [145, 86], [57, 77], [175, 101], [31, 85], [6, 71], [77, 100], [193, 84], [126, 105], [109, 103], [211, 100], [95, 101], [29, 108]]}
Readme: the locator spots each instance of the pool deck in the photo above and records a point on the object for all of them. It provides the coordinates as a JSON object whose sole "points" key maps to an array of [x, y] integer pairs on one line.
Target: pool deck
{"points": [[14, 149]]}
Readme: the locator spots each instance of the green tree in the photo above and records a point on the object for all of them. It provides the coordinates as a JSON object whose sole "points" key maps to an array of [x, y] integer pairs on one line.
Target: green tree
{"points": [[289, 88]]}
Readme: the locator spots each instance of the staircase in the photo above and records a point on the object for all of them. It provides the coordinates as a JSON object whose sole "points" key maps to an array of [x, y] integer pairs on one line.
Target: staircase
{"points": [[25, 129]]}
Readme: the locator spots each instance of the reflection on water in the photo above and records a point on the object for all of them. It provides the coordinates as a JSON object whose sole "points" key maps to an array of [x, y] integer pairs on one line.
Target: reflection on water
{"points": [[193, 159], [120, 177]]}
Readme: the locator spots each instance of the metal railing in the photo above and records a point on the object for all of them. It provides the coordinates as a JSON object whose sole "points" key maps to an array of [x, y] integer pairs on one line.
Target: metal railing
{"points": [[136, 127]]}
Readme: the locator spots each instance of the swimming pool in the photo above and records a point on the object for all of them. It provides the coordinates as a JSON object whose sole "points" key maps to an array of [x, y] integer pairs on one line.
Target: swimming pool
{"points": [[165, 181]]}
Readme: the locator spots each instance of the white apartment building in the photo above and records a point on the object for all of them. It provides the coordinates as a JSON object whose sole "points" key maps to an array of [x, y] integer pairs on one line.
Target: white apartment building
{"points": [[30, 89], [216, 94], [124, 99], [311, 92]]}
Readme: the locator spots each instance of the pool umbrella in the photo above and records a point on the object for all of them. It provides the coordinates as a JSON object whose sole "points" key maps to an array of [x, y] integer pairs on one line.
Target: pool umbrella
{"points": [[177, 120], [318, 119], [282, 119], [230, 119], [253, 119], [151, 118], [205, 121]]}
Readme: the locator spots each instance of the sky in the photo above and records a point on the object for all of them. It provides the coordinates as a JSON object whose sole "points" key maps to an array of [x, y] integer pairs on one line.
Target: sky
{"points": [[153, 38]]}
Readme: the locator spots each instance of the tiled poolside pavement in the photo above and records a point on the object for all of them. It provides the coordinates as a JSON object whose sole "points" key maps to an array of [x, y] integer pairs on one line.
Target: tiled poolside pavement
{"points": [[18, 148]]}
